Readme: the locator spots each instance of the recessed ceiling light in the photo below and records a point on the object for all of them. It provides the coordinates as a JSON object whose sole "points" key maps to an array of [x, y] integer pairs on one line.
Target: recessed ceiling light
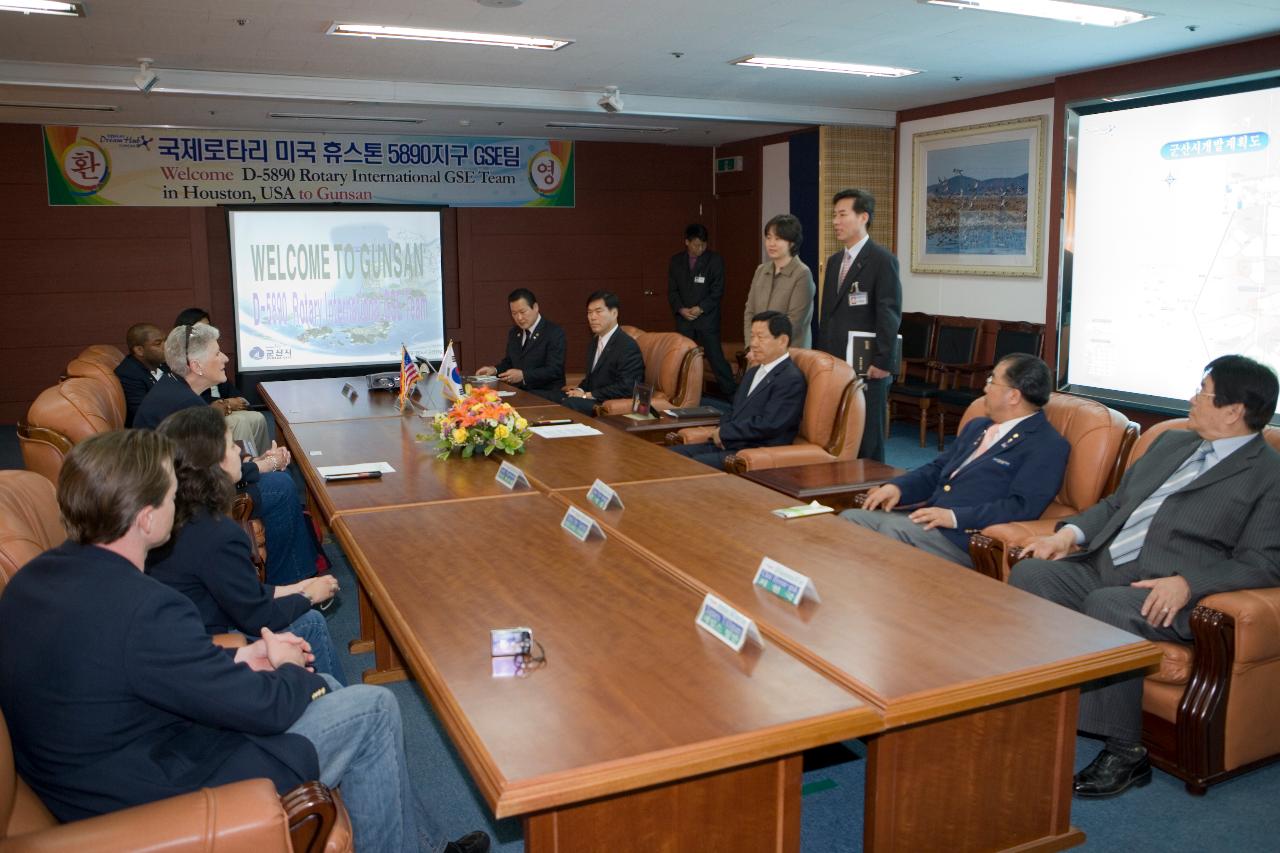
{"points": [[1058, 10], [375, 31], [43, 7], [50, 105], [336, 117], [621, 128], [822, 65]]}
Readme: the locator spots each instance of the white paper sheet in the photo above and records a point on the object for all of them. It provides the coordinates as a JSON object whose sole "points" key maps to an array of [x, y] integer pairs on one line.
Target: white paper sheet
{"points": [[564, 431], [358, 468]]}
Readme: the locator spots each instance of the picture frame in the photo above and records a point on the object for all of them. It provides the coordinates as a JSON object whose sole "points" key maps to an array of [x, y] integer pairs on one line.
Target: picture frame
{"points": [[977, 199]]}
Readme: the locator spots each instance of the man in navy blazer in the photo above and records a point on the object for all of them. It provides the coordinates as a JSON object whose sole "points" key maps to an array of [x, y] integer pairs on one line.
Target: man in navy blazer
{"points": [[1004, 467], [535, 349], [769, 403], [614, 361], [115, 695], [861, 292], [139, 371]]}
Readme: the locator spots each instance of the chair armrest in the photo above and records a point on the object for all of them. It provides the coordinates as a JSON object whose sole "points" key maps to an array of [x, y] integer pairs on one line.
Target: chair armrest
{"points": [[997, 547], [1256, 613], [784, 456], [248, 814], [691, 435], [232, 640], [318, 822], [620, 406]]}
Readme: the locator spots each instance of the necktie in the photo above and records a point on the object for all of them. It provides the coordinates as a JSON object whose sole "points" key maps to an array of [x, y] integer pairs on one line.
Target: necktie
{"points": [[524, 338], [599, 352], [1128, 542], [988, 439]]}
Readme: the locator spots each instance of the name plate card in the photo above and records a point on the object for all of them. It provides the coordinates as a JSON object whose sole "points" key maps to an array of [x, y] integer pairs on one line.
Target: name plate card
{"points": [[510, 476], [726, 624], [580, 524], [603, 496], [789, 585]]}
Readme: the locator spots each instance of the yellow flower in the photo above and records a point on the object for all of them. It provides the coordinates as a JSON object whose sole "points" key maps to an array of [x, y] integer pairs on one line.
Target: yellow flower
{"points": [[521, 423], [459, 436], [501, 431]]}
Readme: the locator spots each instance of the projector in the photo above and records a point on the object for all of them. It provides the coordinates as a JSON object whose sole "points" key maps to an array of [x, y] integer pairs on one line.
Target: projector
{"points": [[611, 100]]}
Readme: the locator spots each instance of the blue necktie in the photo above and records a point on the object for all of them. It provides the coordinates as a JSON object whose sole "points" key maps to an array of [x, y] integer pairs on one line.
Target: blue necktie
{"points": [[1128, 542]]}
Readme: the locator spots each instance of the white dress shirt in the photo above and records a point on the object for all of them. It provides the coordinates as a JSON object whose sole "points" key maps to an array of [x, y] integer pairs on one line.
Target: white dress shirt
{"points": [[764, 370]]}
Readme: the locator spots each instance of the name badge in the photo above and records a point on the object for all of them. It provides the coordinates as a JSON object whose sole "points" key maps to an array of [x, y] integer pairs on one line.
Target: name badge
{"points": [[510, 476], [603, 497], [580, 524], [726, 624], [699, 279], [791, 586], [857, 297]]}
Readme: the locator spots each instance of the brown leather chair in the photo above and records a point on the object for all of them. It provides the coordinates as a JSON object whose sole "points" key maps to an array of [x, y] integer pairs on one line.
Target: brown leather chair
{"points": [[62, 416], [1207, 711], [96, 368], [1100, 440], [673, 366], [106, 354], [830, 429], [29, 520]]}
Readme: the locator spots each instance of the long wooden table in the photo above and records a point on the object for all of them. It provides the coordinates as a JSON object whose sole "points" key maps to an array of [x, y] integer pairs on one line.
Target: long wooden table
{"points": [[966, 688]]}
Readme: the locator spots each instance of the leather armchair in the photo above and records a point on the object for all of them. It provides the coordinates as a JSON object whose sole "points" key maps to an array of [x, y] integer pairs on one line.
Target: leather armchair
{"points": [[29, 520], [97, 369], [62, 416], [830, 429], [1207, 711], [105, 354], [1100, 440], [673, 366]]}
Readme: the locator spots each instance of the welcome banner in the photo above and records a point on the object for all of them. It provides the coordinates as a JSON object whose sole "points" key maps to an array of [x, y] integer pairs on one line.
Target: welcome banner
{"points": [[150, 167]]}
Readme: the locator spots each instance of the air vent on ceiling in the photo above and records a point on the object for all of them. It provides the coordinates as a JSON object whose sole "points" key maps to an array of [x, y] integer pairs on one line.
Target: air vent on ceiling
{"points": [[324, 117], [39, 105], [619, 128]]}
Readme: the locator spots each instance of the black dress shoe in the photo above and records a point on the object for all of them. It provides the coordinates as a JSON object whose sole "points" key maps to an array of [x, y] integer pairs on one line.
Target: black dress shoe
{"points": [[1112, 773], [472, 842]]}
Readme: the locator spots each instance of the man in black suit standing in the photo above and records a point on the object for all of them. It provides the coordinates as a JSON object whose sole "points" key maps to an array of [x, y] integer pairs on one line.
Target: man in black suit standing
{"points": [[770, 401], [860, 292], [535, 349], [614, 362], [695, 285], [1195, 515], [142, 367]]}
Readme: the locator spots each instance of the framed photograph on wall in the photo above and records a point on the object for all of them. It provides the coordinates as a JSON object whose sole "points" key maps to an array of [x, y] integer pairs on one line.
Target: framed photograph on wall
{"points": [[977, 199]]}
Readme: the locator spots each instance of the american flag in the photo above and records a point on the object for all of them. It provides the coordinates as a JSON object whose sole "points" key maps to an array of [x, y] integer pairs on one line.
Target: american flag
{"points": [[408, 373]]}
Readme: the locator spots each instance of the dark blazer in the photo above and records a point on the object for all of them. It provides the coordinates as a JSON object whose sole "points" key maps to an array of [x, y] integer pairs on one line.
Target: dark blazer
{"points": [[1013, 481], [1219, 532], [171, 394], [541, 359], [208, 560], [874, 272], [685, 291], [136, 381], [771, 415], [115, 694], [618, 369]]}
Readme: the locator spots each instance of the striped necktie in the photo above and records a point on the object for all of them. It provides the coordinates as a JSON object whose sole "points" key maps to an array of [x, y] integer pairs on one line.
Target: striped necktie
{"points": [[1128, 542]]}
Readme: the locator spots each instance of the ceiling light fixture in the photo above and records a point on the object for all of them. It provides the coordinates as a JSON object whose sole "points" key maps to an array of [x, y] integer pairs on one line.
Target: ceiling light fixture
{"points": [[1058, 10], [619, 128], [375, 31], [823, 65], [50, 105], [325, 117], [43, 7]]}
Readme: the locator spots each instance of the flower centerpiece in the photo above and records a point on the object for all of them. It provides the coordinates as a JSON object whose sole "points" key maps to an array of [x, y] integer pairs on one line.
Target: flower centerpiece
{"points": [[478, 422]]}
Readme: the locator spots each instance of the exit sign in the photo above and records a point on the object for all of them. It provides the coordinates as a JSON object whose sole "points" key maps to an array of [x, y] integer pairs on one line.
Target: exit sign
{"points": [[728, 164]]}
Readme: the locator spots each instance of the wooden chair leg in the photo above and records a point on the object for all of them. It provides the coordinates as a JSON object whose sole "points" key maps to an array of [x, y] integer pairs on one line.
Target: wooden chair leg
{"points": [[942, 423], [924, 425]]}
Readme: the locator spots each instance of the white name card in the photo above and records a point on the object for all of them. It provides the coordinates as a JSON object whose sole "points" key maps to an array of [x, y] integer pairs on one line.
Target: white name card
{"points": [[603, 496], [511, 476], [726, 624], [789, 585], [580, 524]]}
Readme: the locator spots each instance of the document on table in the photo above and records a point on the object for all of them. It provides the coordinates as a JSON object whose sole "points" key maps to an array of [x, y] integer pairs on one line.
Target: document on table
{"points": [[358, 468], [565, 431], [506, 393]]}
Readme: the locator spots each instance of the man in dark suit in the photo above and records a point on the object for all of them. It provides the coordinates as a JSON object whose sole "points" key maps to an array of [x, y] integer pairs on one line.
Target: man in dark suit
{"points": [[1004, 467], [142, 367], [1195, 515], [115, 695], [535, 349], [614, 362], [860, 292], [770, 401], [695, 285]]}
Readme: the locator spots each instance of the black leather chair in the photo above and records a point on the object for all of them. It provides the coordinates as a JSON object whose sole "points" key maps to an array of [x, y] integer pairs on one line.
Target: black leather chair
{"points": [[955, 343]]}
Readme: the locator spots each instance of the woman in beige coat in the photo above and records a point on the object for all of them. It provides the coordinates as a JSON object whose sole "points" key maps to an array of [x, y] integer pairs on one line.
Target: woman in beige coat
{"points": [[782, 283]]}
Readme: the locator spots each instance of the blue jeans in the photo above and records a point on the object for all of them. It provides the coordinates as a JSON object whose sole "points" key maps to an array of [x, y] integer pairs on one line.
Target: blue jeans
{"points": [[312, 627], [357, 734], [291, 553]]}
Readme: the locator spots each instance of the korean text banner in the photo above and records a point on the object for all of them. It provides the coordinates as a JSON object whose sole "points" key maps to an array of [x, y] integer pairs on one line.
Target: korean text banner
{"points": [[150, 167]]}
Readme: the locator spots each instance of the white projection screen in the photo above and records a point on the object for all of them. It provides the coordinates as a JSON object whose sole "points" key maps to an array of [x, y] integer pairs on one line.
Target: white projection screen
{"points": [[1172, 241], [336, 288]]}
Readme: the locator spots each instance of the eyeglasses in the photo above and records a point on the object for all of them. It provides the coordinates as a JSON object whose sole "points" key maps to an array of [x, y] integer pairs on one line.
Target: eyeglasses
{"points": [[186, 344], [991, 380]]}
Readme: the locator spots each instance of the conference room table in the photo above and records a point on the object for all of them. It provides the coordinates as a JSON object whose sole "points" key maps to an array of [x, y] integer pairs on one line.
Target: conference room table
{"points": [[643, 732]]}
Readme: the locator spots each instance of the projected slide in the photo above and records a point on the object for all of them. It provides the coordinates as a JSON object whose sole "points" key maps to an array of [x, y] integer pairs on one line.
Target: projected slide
{"points": [[1176, 242], [336, 288]]}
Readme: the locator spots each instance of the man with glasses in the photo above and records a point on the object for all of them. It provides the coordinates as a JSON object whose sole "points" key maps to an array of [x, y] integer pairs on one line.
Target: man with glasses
{"points": [[1195, 515], [535, 349], [1004, 467]]}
